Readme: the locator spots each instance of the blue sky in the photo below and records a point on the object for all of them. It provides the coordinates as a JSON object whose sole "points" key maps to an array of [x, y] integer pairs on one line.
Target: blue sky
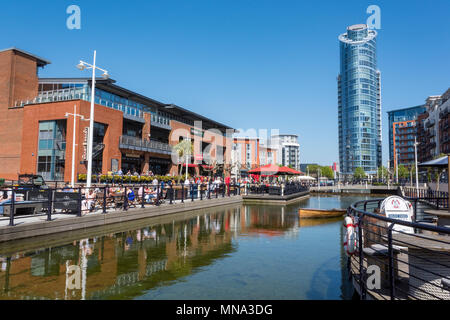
{"points": [[249, 64]]}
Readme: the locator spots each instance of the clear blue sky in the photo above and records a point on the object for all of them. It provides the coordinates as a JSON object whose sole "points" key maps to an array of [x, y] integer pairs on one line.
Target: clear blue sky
{"points": [[248, 64]]}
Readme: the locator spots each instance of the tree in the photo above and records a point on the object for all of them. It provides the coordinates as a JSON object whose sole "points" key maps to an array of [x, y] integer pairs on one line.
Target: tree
{"points": [[326, 171], [438, 172], [403, 172], [359, 173], [383, 173], [184, 149], [313, 169]]}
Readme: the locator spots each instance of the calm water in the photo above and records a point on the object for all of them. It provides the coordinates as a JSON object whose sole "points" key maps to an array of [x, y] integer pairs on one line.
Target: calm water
{"points": [[241, 252]]}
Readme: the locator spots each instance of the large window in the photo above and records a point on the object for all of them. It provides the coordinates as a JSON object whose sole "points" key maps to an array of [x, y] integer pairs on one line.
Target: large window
{"points": [[52, 149]]}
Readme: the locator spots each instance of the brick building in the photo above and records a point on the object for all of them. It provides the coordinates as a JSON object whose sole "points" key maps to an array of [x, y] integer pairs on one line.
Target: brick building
{"points": [[433, 128], [131, 132]]}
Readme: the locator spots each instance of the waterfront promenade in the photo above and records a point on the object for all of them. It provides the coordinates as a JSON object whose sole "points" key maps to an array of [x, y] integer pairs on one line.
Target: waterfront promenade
{"points": [[58, 211]]}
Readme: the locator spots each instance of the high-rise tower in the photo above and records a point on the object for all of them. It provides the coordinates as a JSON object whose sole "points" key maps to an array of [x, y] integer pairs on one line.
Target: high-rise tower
{"points": [[359, 101]]}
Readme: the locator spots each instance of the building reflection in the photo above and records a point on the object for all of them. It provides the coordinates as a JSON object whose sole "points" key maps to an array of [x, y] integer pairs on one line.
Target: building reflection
{"points": [[125, 265]]}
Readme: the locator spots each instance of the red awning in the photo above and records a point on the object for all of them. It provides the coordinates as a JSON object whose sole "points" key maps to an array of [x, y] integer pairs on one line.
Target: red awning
{"points": [[190, 165], [207, 167], [271, 169], [292, 171]]}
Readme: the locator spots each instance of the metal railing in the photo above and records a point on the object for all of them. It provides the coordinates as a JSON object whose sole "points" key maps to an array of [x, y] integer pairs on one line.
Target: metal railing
{"points": [[276, 190], [437, 199], [412, 263], [133, 143], [18, 203]]}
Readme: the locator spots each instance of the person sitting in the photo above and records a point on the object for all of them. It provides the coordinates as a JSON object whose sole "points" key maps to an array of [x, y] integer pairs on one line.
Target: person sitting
{"points": [[89, 202], [4, 199], [131, 197]]}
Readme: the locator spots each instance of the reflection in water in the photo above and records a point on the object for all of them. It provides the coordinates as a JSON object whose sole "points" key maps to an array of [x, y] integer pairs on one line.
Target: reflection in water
{"points": [[236, 253]]}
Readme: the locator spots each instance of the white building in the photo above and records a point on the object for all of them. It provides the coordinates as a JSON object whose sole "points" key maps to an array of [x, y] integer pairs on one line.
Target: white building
{"points": [[288, 150]]}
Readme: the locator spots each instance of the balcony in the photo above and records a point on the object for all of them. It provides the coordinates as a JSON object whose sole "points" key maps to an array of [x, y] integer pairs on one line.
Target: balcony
{"points": [[132, 143]]}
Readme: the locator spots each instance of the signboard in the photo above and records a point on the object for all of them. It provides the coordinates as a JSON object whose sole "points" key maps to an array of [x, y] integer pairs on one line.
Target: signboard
{"points": [[131, 155], [199, 157], [114, 165], [66, 200], [197, 132], [85, 142], [398, 208]]}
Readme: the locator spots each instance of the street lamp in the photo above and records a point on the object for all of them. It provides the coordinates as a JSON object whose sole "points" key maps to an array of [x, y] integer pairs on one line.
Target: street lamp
{"points": [[75, 115], [86, 66], [396, 166], [415, 160]]}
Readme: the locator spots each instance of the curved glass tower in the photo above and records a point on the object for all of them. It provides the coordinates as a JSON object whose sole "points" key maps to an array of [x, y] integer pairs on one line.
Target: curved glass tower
{"points": [[359, 101]]}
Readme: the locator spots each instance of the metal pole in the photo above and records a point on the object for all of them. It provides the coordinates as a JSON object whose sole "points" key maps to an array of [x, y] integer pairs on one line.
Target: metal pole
{"points": [[417, 171], [396, 166], [448, 181], [73, 143], [12, 209], [91, 127]]}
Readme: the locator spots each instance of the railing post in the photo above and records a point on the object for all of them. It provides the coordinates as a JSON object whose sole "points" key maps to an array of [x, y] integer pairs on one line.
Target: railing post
{"points": [[49, 206], [391, 263], [182, 193], [209, 189], [12, 209], [157, 195], [104, 199], [217, 191], [415, 209], [191, 187], [125, 199], [361, 261], [80, 197], [200, 187], [143, 197], [171, 193]]}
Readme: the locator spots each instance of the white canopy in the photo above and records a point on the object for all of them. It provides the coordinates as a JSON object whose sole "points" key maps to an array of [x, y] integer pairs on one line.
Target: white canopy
{"points": [[305, 178]]}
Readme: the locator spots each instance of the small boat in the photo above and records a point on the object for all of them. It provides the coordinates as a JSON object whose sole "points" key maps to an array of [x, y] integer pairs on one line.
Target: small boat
{"points": [[321, 213]]}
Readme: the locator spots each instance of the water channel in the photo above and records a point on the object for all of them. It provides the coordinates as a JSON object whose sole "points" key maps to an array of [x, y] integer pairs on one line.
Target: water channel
{"points": [[230, 253]]}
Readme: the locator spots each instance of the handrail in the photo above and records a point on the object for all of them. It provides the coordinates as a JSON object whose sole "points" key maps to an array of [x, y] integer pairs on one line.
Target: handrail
{"points": [[410, 269]]}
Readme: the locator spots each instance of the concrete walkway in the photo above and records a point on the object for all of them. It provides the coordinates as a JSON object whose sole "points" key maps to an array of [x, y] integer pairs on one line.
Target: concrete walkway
{"points": [[32, 226]]}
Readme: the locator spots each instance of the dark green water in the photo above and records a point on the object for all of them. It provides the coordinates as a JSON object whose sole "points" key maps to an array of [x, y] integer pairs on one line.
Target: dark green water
{"points": [[241, 252]]}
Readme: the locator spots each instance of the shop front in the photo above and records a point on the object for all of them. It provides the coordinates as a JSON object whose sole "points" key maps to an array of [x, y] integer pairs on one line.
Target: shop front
{"points": [[159, 166], [132, 163]]}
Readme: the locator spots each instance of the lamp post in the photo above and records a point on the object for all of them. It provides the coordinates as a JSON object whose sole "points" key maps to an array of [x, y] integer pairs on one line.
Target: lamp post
{"points": [[415, 160], [396, 166], [75, 115], [86, 66]]}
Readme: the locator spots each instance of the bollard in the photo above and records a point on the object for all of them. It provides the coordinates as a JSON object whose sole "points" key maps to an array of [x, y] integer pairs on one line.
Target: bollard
{"points": [[223, 190], [171, 193], [143, 197], [192, 192], [201, 193]]}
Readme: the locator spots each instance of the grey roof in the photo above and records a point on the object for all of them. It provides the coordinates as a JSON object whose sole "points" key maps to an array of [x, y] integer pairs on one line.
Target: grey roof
{"points": [[440, 162], [40, 61], [109, 85]]}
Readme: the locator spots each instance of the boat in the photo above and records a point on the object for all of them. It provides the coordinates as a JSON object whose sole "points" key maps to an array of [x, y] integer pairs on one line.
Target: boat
{"points": [[321, 213]]}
